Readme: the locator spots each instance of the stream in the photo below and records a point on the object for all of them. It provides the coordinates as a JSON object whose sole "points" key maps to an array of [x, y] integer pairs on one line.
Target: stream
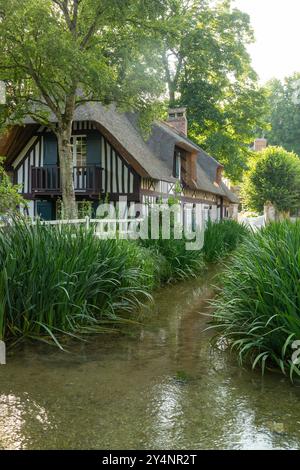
{"points": [[161, 387]]}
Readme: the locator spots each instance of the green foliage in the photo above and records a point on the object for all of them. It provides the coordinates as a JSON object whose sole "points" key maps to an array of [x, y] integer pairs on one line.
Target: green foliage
{"points": [[125, 52], [222, 238], [177, 263], [208, 69], [10, 197], [273, 177], [258, 307], [228, 132], [84, 209], [284, 101], [174, 260], [46, 295], [66, 281], [106, 52]]}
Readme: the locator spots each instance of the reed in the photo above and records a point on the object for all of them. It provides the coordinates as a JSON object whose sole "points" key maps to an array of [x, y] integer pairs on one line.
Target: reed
{"points": [[58, 281], [174, 261], [65, 281], [258, 306], [222, 238]]}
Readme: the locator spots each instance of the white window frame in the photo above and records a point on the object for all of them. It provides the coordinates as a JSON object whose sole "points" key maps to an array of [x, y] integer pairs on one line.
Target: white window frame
{"points": [[74, 148]]}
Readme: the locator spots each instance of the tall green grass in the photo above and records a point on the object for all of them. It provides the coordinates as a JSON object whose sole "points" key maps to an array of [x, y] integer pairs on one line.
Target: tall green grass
{"points": [[222, 238], [55, 281], [178, 263], [65, 281], [174, 261], [258, 306]]}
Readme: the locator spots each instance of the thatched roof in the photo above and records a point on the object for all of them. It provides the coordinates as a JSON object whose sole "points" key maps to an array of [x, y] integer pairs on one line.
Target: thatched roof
{"points": [[162, 141], [124, 134], [153, 158]]}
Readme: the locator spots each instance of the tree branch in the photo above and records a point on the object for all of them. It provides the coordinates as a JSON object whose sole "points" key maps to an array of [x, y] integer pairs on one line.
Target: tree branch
{"points": [[92, 29], [51, 104], [40, 119], [167, 69], [178, 69], [63, 5], [75, 13]]}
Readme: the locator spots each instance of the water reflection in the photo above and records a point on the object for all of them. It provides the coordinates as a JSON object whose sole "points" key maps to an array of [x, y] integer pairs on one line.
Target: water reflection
{"points": [[14, 412], [166, 411], [163, 388]]}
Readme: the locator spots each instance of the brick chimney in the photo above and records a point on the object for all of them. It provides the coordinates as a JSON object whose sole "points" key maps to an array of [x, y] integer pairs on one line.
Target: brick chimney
{"points": [[260, 145], [177, 119]]}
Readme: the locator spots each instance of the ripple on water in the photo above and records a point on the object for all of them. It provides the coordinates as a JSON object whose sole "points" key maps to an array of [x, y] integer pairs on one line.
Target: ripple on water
{"points": [[162, 388]]}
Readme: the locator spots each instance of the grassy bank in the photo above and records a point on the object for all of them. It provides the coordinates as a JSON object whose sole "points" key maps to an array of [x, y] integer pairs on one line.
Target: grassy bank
{"points": [[56, 282], [178, 263], [222, 238], [258, 307]]}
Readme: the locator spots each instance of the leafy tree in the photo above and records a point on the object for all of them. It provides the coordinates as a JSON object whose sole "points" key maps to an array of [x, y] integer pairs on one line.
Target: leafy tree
{"points": [[207, 68], [284, 101], [10, 197], [57, 54], [273, 177]]}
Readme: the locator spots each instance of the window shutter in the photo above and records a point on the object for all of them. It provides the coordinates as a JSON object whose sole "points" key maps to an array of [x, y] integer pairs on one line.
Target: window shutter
{"points": [[94, 148], [50, 149]]}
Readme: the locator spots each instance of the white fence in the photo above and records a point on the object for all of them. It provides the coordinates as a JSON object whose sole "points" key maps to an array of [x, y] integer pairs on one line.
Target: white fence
{"points": [[255, 223], [103, 227]]}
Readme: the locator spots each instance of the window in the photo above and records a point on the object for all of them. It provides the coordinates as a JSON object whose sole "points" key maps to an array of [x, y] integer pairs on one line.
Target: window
{"points": [[79, 149], [177, 164]]}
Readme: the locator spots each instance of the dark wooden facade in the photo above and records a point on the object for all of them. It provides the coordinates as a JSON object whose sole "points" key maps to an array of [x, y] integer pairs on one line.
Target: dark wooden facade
{"points": [[105, 174]]}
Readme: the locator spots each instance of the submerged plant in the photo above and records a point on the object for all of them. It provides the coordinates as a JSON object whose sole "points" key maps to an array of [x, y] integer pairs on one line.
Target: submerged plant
{"points": [[258, 306]]}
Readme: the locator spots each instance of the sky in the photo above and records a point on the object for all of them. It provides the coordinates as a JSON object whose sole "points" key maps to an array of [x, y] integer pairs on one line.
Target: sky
{"points": [[277, 30]]}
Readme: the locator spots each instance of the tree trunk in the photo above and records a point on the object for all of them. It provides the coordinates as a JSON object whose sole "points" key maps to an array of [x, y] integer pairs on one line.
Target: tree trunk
{"points": [[66, 172], [171, 94], [269, 212]]}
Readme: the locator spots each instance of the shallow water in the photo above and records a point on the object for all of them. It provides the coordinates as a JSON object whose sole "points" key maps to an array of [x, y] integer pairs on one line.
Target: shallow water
{"points": [[160, 388]]}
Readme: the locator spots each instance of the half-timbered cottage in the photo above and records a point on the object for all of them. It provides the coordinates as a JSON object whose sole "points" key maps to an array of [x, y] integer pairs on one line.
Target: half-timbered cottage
{"points": [[111, 159]]}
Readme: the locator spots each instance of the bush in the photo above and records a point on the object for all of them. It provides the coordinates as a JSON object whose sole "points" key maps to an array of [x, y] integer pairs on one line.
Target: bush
{"points": [[65, 280], [273, 177], [221, 238], [10, 198], [258, 307]]}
